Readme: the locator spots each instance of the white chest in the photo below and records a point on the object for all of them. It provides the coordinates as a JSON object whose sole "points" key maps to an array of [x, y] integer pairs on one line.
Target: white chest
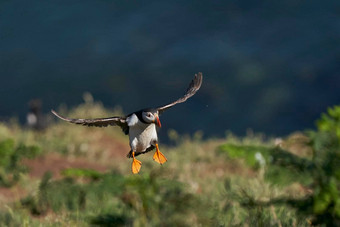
{"points": [[141, 135]]}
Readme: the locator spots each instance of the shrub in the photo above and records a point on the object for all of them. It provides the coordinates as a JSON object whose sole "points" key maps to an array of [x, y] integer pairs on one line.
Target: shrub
{"points": [[112, 199], [320, 173], [326, 158], [11, 155]]}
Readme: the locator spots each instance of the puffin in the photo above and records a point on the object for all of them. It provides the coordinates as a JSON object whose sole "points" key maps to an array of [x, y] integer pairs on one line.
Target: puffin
{"points": [[140, 126], [35, 119]]}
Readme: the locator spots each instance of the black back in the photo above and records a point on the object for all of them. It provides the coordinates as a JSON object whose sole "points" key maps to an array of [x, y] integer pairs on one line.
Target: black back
{"points": [[139, 113]]}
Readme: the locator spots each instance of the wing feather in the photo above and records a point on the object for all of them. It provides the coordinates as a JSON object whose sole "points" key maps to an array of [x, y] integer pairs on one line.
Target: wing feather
{"points": [[194, 86], [98, 122]]}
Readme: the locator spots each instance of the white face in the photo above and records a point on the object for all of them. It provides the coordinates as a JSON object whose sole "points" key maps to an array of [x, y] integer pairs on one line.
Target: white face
{"points": [[149, 117]]}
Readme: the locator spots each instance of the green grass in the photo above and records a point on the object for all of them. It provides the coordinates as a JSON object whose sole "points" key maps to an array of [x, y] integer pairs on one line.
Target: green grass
{"points": [[281, 167], [232, 181]]}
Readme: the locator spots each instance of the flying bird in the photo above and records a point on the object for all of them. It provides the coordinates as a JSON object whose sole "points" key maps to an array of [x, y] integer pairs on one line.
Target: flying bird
{"points": [[140, 126]]}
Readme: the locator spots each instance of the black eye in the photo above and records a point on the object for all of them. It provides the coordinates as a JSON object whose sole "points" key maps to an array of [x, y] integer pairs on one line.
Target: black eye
{"points": [[149, 114]]}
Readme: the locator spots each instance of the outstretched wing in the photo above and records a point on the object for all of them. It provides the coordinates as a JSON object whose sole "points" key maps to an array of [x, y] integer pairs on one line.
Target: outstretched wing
{"points": [[192, 89], [98, 122]]}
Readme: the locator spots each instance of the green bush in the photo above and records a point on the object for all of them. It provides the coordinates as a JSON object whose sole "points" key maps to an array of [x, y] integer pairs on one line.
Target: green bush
{"points": [[254, 156], [320, 173], [282, 167], [85, 173], [326, 157], [330, 121], [114, 200], [11, 156]]}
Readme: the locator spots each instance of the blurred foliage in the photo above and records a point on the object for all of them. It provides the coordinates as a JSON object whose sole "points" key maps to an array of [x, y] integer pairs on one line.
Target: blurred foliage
{"points": [[254, 156], [249, 181], [319, 173], [330, 121], [281, 167], [10, 161], [326, 157], [85, 173], [115, 200], [249, 197]]}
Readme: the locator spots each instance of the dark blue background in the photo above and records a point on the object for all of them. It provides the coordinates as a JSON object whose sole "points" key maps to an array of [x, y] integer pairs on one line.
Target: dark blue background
{"points": [[271, 65]]}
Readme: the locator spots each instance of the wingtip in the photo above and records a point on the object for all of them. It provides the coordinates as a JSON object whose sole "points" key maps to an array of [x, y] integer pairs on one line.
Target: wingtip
{"points": [[57, 115], [199, 78]]}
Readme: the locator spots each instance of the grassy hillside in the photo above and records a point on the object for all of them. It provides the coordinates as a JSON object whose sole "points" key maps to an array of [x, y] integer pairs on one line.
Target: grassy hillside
{"points": [[70, 175]]}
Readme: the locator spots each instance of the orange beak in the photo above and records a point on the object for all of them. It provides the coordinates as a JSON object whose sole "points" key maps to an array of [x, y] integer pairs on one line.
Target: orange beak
{"points": [[158, 123]]}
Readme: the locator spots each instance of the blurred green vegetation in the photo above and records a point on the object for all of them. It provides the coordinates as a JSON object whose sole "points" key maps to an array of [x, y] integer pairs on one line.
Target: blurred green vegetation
{"points": [[281, 167], [11, 155], [320, 172], [326, 158], [250, 181]]}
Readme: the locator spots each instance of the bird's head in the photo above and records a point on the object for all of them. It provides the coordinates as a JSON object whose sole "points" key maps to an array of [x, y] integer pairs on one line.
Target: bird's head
{"points": [[151, 116]]}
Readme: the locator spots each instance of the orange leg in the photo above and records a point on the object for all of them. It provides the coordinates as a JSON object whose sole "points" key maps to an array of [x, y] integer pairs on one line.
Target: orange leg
{"points": [[158, 156], [136, 164]]}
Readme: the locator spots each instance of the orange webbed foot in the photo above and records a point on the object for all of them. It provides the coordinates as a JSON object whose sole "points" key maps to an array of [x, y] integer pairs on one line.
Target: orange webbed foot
{"points": [[136, 164], [158, 156]]}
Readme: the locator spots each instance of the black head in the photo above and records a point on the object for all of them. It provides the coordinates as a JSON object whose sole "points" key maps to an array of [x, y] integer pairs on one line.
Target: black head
{"points": [[149, 116]]}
